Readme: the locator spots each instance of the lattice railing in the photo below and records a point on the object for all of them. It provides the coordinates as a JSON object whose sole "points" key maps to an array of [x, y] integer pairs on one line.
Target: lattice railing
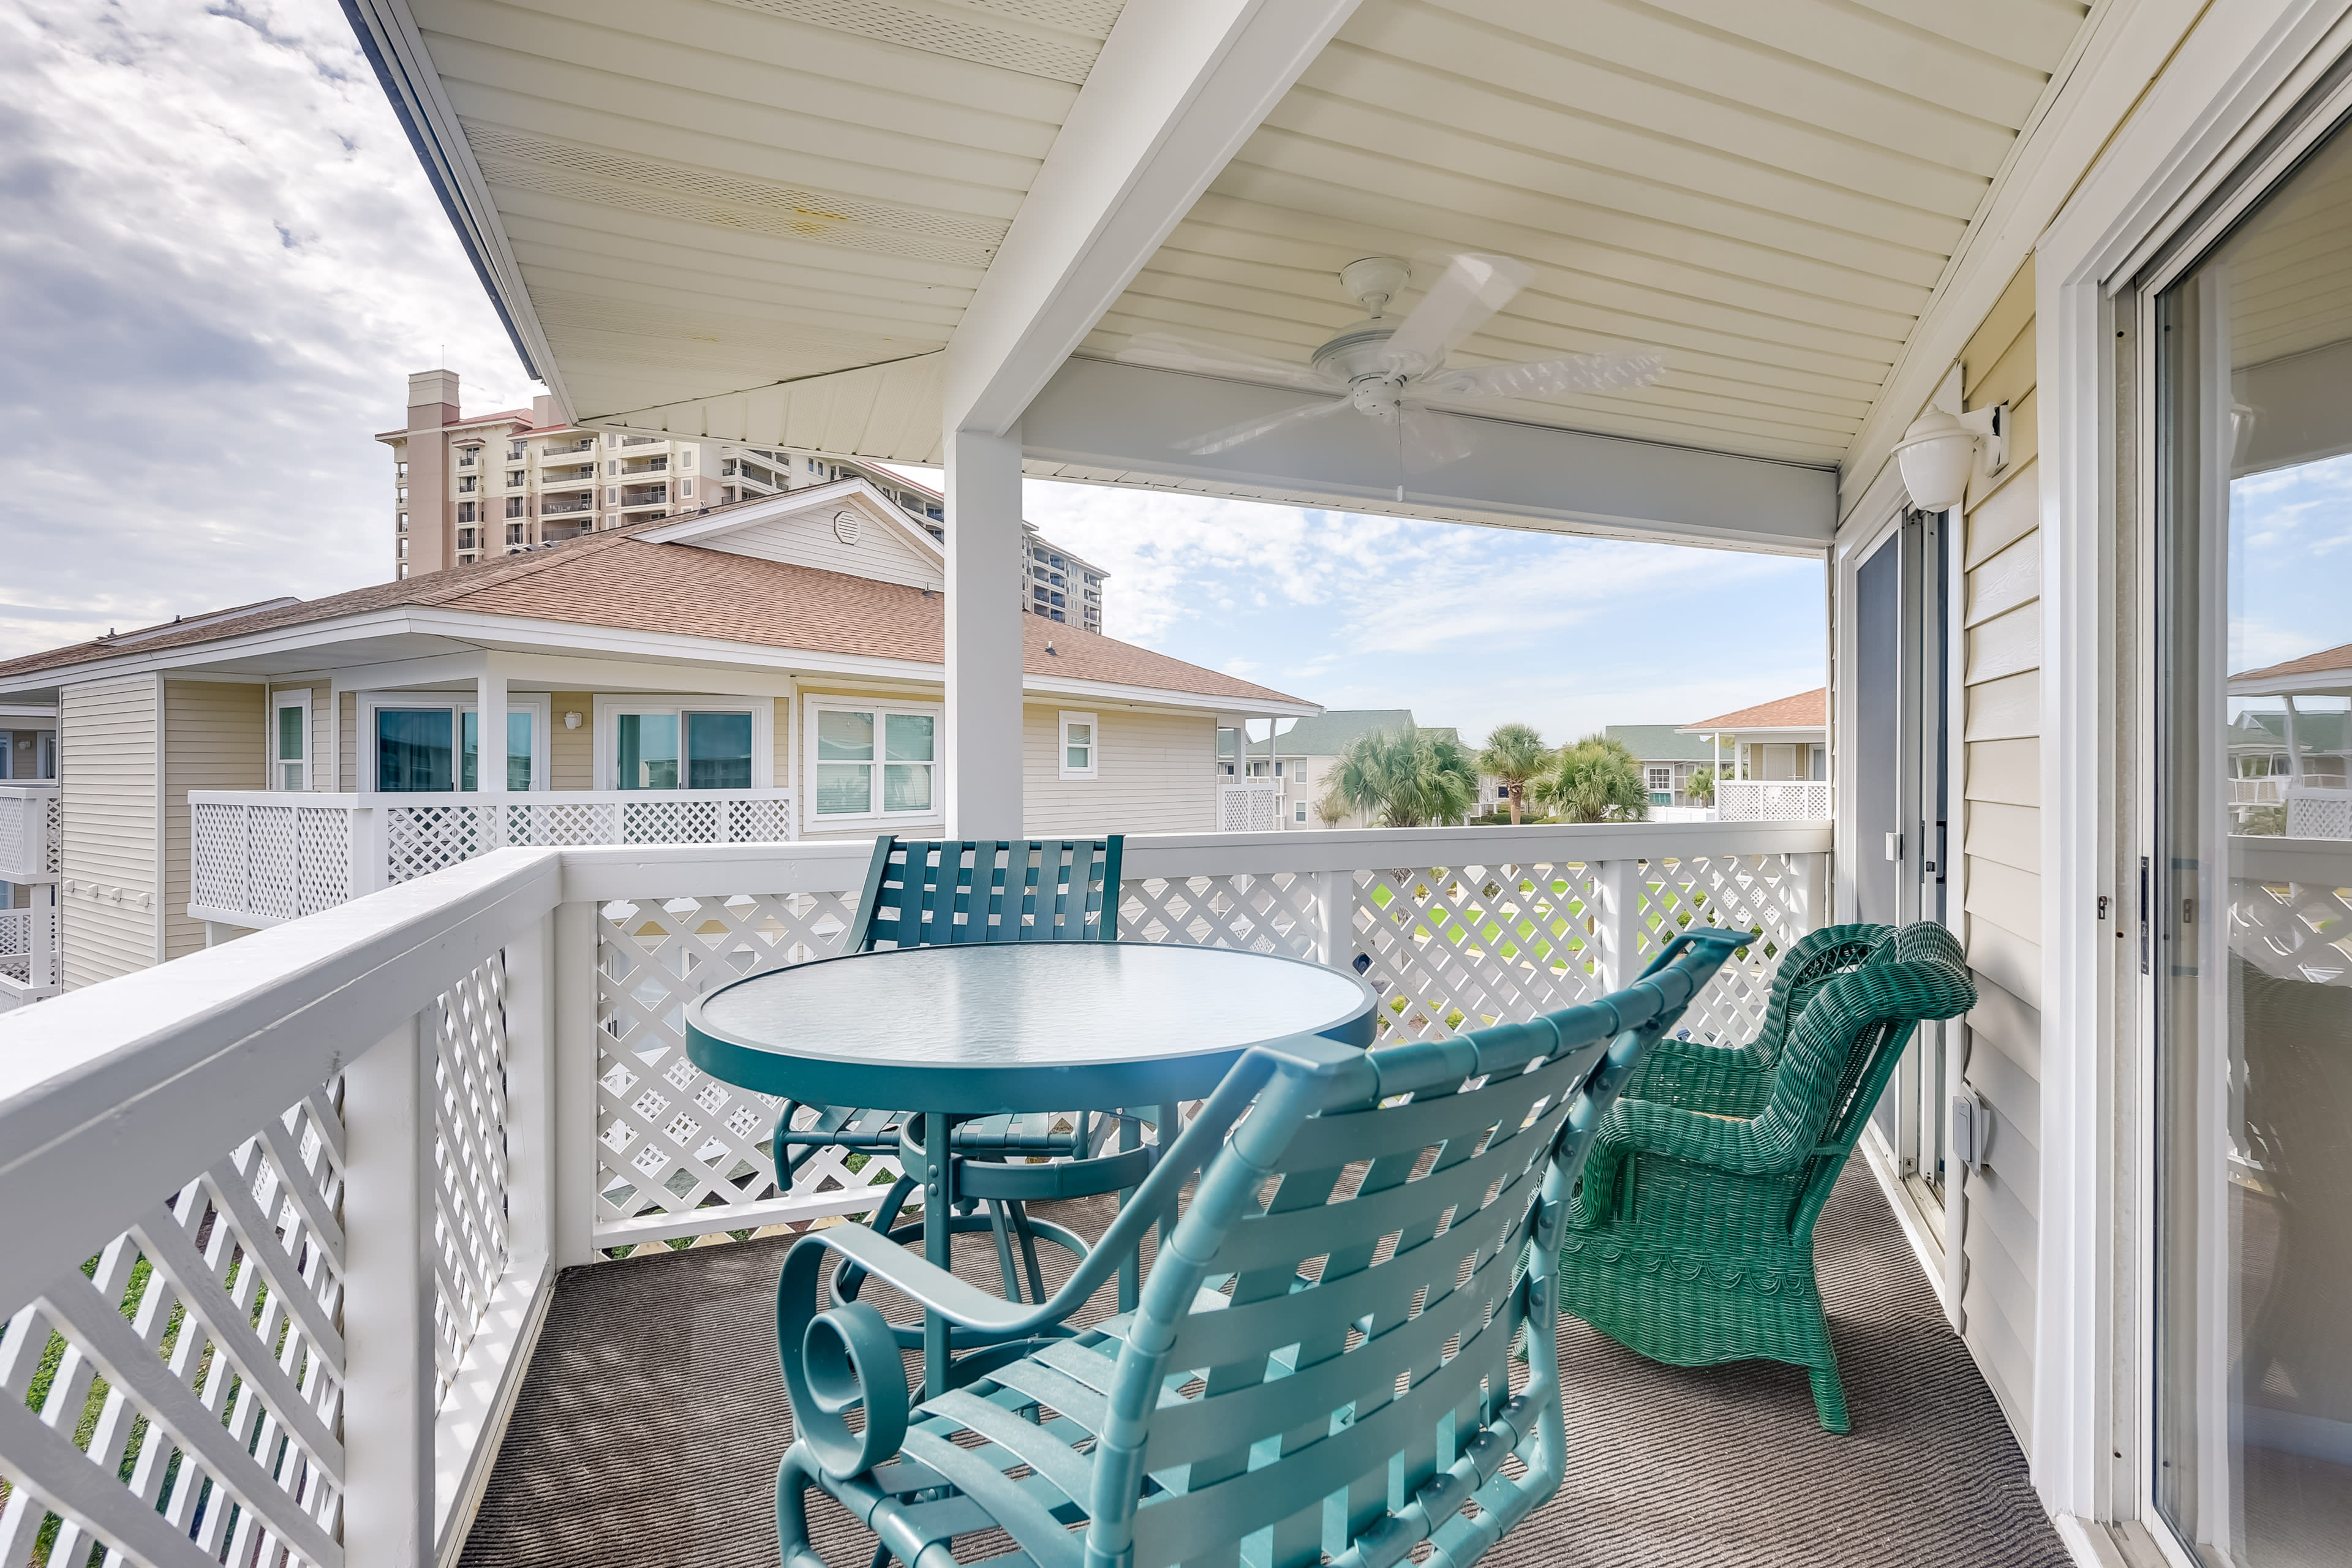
{"points": [[272, 858], [2295, 931], [1772, 800], [177, 1400], [679, 1153], [470, 1246], [1447, 948], [32, 829]]}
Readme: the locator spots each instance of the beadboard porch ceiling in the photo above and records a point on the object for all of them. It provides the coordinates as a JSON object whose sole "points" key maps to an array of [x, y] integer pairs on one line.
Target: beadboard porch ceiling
{"points": [[767, 219]]}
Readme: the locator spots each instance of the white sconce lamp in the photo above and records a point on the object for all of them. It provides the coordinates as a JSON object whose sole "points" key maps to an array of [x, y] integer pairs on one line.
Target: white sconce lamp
{"points": [[571, 720], [1938, 453]]}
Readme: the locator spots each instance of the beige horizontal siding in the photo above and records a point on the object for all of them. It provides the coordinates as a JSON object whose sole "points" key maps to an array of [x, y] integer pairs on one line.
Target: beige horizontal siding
{"points": [[106, 779], [571, 754], [1157, 774], [2001, 722], [215, 736], [347, 747], [2008, 709]]}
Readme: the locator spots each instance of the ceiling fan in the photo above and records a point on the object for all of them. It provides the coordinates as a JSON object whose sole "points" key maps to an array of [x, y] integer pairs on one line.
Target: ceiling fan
{"points": [[1389, 369]]}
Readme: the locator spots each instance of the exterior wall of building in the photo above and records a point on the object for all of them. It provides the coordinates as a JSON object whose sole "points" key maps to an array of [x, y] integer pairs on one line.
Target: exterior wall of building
{"points": [[216, 737], [2002, 924], [347, 741], [107, 778], [1155, 772], [322, 735], [571, 754]]}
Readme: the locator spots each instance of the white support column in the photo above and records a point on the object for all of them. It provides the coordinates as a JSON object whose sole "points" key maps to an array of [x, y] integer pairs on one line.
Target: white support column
{"points": [[985, 625], [490, 763], [1336, 900], [531, 1078], [388, 1510], [1620, 921], [573, 1062], [44, 930]]}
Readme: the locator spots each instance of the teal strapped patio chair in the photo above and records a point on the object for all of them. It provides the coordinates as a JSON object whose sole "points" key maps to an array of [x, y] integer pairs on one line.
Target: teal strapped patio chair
{"points": [[1321, 1366], [921, 893], [1692, 1236]]}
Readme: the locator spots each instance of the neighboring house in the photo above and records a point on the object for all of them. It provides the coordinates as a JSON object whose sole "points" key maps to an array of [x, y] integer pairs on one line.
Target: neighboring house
{"points": [[771, 670], [28, 842], [1668, 757], [1775, 759], [1296, 765], [2289, 746], [471, 487]]}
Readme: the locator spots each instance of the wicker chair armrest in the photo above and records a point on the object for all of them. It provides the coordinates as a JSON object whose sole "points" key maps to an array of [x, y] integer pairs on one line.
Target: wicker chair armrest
{"points": [[1747, 1146], [1722, 1080]]}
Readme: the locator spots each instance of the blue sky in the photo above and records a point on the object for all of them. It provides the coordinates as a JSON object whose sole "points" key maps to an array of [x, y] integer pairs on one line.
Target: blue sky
{"points": [[219, 262], [2290, 562]]}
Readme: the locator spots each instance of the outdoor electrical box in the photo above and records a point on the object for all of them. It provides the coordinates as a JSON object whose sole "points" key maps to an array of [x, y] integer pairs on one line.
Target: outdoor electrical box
{"points": [[1971, 1129]]}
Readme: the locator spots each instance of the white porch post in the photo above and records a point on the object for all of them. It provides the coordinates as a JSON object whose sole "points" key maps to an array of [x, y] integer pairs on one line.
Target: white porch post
{"points": [[490, 763], [985, 623], [388, 1307]]}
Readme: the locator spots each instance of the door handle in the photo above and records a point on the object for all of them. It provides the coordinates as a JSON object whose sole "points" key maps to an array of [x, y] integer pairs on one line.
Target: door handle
{"points": [[1895, 847]]}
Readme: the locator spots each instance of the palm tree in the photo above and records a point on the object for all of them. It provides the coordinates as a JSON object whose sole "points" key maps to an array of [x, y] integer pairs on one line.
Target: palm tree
{"points": [[1409, 777], [1700, 787], [1515, 754], [1595, 780]]}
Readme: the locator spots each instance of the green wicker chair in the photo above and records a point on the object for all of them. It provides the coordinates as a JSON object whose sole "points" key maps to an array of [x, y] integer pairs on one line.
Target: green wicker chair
{"points": [[1691, 1239]]}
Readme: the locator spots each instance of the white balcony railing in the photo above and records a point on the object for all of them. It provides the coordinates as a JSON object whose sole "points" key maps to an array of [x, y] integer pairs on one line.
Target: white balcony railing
{"points": [[262, 857], [1772, 800], [29, 950], [32, 830], [352, 1150]]}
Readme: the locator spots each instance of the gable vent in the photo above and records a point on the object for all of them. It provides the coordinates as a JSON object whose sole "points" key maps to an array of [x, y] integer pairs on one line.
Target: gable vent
{"points": [[846, 526]]}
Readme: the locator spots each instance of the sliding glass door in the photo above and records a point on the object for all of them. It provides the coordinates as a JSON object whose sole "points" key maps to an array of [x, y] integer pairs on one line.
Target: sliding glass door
{"points": [[2246, 904]]}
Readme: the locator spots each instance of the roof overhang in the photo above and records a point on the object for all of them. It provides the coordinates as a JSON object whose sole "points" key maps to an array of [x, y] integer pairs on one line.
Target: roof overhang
{"points": [[928, 241]]}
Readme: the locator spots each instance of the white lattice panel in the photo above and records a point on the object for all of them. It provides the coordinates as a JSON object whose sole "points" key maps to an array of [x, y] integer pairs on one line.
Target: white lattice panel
{"points": [[1274, 913], [419, 841], [177, 1400], [2295, 931], [54, 833], [470, 1159], [324, 838], [1455, 947], [218, 855], [564, 823], [1743, 892], [272, 862], [1249, 807], [2313, 812], [659, 819], [680, 1153]]}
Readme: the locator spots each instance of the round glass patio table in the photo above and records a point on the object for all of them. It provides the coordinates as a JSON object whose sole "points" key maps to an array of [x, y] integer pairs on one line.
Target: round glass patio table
{"points": [[992, 1029]]}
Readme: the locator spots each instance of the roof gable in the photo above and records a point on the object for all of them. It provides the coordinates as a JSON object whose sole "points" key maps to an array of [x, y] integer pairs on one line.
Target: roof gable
{"points": [[1805, 711], [845, 527]]}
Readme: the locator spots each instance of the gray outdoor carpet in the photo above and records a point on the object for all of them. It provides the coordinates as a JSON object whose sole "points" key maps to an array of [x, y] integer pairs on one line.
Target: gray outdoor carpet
{"points": [[653, 1415]]}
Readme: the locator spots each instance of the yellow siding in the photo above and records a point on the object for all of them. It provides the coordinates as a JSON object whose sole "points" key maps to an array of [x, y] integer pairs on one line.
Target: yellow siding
{"points": [[347, 743], [106, 774], [571, 754], [1157, 774], [2002, 926], [215, 736], [783, 776]]}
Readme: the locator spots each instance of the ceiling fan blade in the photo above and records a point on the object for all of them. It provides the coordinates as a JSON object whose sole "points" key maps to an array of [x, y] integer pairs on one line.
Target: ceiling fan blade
{"points": [[1233, 435], [1472, 289], [1168, 352], [1549, 377], [1431, 439]]}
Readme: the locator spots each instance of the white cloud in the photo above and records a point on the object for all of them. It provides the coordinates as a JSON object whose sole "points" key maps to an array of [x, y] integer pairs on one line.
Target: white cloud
{"points": [[219, 262]]}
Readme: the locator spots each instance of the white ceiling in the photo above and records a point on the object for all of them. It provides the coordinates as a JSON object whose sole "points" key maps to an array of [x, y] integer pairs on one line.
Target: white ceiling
{"points": [[764, 218]]}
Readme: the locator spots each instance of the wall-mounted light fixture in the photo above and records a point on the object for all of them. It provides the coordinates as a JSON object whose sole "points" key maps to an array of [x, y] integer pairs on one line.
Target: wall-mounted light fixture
{"points": [[1938, 453], [571, 720]]}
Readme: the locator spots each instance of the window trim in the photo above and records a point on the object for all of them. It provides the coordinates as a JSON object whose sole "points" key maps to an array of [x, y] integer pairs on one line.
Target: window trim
{"points": [[535, 703], [299, 697], [607, 708], [1093, 770], [812, 706]]}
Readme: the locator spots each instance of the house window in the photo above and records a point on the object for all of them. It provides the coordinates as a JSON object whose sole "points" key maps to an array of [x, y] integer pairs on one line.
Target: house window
{"points": [[514, 506], [401, 470], [464, 511], [685, 461], [291, 750], [685, 487], [466, 455], [402, 553], [466, 484], [1078, 742], [1662, 779], [514, 477], [1298, 811], [435, 748], [514, 532], [514, 455], [874, 761], [683, 748]]}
